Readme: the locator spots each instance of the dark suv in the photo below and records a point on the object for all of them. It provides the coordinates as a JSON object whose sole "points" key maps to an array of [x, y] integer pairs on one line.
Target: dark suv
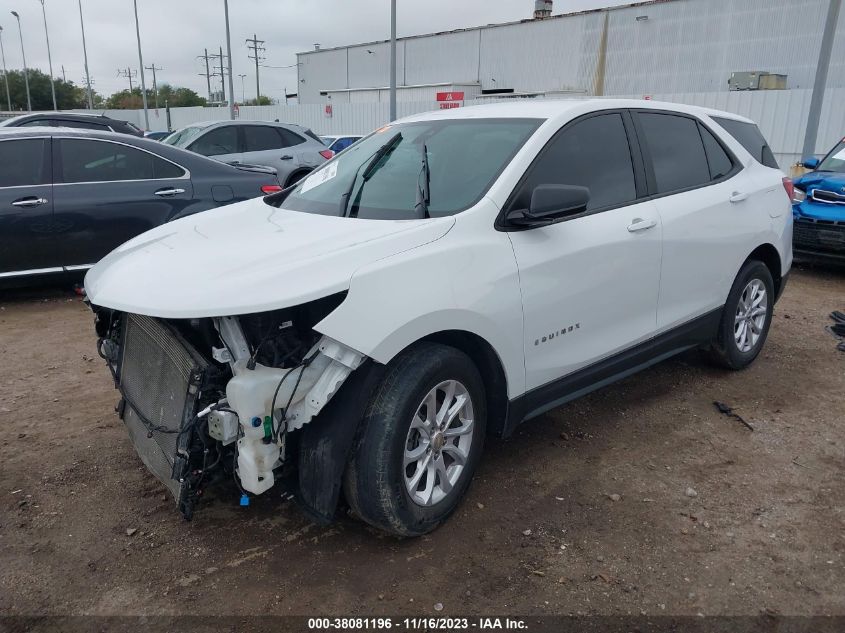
{"points": [[98, 122]]}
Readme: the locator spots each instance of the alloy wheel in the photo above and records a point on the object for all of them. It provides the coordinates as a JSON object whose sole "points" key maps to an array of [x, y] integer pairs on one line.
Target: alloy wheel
{"points": [[751, 314], [438, 443]]}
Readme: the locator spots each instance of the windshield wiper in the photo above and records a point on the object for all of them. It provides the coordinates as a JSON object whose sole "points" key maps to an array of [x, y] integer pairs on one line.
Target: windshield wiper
{"points": [[424, 191], [371, 168]]}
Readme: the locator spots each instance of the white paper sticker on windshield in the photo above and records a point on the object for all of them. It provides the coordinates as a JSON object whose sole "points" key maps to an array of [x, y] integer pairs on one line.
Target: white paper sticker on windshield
{"points": [[319, 178], [840, 155]]}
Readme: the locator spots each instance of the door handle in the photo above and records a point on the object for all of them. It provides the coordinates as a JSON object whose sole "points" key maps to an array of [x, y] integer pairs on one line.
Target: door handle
{"points": [[164, 193], [639, 224], [287, 157], [738, 196], [30, 202]]}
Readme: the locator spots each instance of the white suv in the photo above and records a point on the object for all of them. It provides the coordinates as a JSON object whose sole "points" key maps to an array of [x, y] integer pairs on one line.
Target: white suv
{"points": [[449, 276]]}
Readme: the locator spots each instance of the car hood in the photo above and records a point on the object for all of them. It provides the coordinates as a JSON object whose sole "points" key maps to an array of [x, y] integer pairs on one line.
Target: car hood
{"points": [[245, 258], [827, 181]]}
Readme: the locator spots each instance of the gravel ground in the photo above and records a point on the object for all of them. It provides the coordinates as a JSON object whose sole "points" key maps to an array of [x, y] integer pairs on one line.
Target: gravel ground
{"points": [[639, 499]]}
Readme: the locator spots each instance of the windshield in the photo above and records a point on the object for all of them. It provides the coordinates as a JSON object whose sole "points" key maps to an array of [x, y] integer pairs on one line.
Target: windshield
{"points": [[835, 161], [181, 138], [465, 156]]}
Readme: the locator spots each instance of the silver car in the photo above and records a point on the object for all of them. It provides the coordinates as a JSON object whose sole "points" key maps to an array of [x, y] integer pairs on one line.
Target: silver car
{"points": [[292, 150]]}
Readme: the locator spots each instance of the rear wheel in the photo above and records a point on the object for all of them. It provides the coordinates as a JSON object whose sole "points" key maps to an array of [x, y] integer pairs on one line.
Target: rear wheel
{"points": [[746, 318], [419, 443]]}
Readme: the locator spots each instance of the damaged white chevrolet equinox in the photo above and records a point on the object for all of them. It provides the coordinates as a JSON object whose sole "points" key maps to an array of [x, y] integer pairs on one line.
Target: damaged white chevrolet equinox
{"points": [[449, 276]]}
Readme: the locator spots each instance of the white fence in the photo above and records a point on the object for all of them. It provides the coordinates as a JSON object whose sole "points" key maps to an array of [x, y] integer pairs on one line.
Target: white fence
{"points": [[782, 115]]}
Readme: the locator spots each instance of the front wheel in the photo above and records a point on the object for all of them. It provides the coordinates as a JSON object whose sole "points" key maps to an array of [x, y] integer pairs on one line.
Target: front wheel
{"points": [[746, 318], [419, 442]]}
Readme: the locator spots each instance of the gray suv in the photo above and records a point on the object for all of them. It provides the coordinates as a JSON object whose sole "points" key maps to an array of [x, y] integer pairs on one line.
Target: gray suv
{"points": [[292, 150]]}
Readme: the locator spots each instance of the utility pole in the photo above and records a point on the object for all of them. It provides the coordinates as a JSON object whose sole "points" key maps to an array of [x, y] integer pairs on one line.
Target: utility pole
{"points": [[64, 77], [5, 72], [392, 60], [155, 85], [207, 73], [128, 74], [25, 71], [817, 100], [222, 78], [141, 64], [255, 45], [243, 88], [229, 52], [220, 72], [85, 54], [49, 56]]}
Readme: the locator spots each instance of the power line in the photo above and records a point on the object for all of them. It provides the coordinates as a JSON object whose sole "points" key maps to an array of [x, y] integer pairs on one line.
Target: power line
{"points": [[255, 45]]}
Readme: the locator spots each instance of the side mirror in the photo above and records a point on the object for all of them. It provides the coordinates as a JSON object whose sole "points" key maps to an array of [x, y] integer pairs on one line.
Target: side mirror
{"points": [[550, 204], [810, 163]]}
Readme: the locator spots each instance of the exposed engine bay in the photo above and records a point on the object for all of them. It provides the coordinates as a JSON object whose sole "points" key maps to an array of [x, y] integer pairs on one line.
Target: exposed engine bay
{"points": [[214, 399]]}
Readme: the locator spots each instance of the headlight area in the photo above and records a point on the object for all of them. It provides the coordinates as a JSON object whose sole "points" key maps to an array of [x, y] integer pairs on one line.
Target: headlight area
{"points": [[219, 400], [798, 195]]}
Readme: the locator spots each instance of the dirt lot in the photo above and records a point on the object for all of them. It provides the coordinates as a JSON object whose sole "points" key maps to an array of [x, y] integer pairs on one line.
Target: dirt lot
{"points": [[542, 531]]}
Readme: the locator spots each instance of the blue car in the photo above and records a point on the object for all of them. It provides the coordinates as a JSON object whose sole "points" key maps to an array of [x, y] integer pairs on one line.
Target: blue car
{"points": [[819, 208]]}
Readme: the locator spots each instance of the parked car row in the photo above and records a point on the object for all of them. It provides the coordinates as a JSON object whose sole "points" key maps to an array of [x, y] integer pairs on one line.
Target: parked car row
{"points": [[68, 197]]}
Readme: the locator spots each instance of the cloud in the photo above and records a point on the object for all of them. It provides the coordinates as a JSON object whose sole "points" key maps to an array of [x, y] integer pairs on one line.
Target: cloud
{"points": [[175, 32]]}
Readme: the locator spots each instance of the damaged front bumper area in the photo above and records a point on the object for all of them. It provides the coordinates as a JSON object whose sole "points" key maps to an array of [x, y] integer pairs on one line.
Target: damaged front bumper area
{"points": [[211, 400]]}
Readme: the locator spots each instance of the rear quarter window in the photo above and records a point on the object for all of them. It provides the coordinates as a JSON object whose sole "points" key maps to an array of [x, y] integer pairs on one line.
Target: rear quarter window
{"points": [[751, 138]]}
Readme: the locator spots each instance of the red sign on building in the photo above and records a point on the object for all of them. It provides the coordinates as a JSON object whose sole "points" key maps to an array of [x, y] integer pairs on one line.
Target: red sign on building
{"points": [[449, 100]]}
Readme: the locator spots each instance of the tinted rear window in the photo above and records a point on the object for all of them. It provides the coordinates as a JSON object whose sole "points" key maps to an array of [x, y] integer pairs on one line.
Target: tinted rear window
{"points": [[749, 136], [677, 152], [261, 138], [100, 161]]}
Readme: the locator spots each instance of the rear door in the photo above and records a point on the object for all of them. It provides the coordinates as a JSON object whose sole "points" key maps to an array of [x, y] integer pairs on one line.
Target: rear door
{"points": [[107, 192], [27, 231], [266, 145], [705, 208]]}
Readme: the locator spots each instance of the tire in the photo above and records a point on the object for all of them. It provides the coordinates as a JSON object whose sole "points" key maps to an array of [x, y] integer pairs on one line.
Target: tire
{"points": [[378, 483], [295, 177], [725, 350]]}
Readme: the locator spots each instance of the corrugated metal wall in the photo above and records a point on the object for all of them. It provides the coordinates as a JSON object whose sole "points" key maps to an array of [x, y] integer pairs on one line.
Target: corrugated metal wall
{"points": [[682, 46], [782, 115]]}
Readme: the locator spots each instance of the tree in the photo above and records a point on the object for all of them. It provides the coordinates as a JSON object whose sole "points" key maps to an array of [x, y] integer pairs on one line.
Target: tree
{"points": [[179, 97], [68, 94], [174, 97], [262, 100]]}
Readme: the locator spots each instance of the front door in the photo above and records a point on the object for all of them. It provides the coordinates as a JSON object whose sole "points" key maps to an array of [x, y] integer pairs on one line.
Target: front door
{"points": [[589, 283], [27, 235]]}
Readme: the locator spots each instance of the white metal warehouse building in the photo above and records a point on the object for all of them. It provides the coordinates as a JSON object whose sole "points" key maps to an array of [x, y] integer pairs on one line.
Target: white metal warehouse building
{"points": [[659, 47]]}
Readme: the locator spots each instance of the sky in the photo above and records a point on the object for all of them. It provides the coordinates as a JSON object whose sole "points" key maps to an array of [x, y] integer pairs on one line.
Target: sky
{"points": [[175, 32]]}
